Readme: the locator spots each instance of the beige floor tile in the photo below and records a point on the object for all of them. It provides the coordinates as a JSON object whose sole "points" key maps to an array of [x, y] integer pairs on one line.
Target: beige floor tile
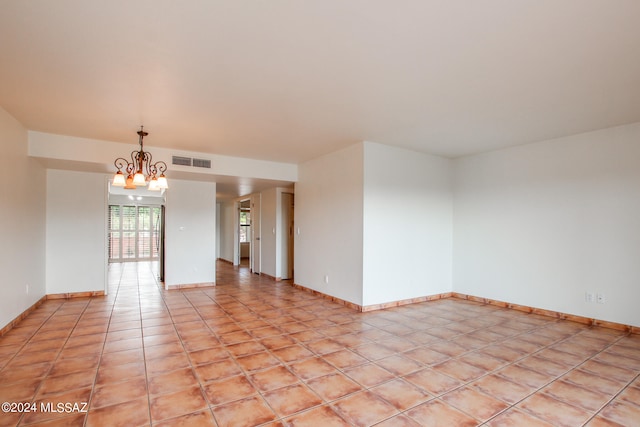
{"points": [[119, 373], [364, 408], [479, 405], [292, 353], [167, 363], [113, 394], [172, 381], [437, 413], [621, 412], [590, 400], [66, 382], [252, 351], [229, 389], [217, 370], [292, 399], [554, 411], [503, 389], [257, 361], [459, 370], [77, 396], [432, 381], [131, 413], [514, 418], [273, 378], [319, 416], [401, 394], [195, 419], [176, 404], [399, 364], [312, 368], [333, 386], [369, 375], [248, 412], [426, 355]]}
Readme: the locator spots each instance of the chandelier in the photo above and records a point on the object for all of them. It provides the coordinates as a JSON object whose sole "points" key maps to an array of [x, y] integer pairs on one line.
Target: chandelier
{"points": [[140, 170]]}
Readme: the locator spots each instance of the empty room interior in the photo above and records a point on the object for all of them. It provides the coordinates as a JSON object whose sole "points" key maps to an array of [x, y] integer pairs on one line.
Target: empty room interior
{"points": [[321, 213]]}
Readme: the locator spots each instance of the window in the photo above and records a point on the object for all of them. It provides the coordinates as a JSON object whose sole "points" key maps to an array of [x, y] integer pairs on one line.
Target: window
{"points": [[134, 233], [245, 226]]}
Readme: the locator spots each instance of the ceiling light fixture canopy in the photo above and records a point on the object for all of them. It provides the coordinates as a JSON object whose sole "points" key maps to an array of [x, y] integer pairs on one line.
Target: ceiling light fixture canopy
{"points": [[140, 170]]}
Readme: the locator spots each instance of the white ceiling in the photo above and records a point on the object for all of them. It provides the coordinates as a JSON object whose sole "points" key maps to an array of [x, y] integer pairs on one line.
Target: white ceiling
{"points": [[290, 80]]}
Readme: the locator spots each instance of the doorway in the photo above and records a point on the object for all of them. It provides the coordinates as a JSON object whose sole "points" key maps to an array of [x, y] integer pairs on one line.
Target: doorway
{"points": [[255, 233], [244, 233], [287, 236], [135, 228], [134, 233]]}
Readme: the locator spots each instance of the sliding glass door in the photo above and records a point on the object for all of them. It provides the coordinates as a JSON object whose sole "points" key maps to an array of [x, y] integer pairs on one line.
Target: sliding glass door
{"points": [[134, 233]]}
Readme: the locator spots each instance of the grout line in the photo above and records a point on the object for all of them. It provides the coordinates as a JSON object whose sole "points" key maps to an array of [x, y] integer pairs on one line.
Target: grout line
{"points": [[575, 367], [55, 359], [528, 354], [162, 294], [612, 398], [144, 351], [95, 380], [239, 306]]}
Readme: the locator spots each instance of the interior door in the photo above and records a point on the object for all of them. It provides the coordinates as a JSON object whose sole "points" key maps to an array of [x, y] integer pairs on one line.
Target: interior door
{"points": [[161, 246], [238, 254], [255, 234], [286, 234], [290, 251]]}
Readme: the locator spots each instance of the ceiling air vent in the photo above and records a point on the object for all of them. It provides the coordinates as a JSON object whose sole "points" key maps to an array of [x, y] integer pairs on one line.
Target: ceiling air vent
{"points": [[202, 163], [182, 161]]}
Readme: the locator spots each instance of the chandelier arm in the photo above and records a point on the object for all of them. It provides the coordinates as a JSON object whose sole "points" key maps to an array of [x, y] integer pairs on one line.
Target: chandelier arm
{"points": [[130, 168], [120, 163], [161, 167], [147, 163], [135, 160]]}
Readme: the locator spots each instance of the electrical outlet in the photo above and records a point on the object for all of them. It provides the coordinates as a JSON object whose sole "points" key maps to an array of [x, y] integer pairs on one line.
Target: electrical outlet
{"points": [[326, 279], [600, 299], [589, 297], [27, 288]]}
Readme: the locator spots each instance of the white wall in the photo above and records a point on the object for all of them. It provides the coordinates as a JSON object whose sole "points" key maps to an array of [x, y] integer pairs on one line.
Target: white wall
{"points": [[22, 222], [536, 225], [227, 230], [328, 212], [76, 231], [97, 152], [245, 249], [407, 224], [543, 223], [190, 227]]}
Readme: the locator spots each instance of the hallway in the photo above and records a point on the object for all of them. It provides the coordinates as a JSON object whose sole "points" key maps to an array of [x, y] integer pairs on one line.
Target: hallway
{"points": [[252, 351]]}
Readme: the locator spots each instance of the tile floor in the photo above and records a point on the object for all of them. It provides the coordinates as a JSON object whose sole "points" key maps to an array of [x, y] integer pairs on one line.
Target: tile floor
{"points": [[254, 352]]}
